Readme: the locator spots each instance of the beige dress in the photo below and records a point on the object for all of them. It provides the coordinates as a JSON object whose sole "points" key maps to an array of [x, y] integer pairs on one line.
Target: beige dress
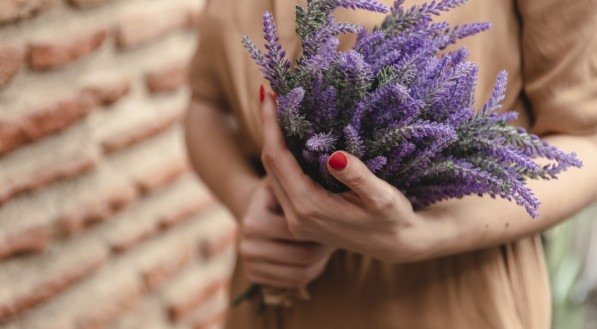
{"points": [[549, 49]]}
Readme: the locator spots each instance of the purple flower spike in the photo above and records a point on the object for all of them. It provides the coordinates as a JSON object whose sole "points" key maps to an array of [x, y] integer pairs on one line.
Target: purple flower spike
{"points": [[376, 164], [368, 5], [498, 95], [276, 64], [321, 142]]}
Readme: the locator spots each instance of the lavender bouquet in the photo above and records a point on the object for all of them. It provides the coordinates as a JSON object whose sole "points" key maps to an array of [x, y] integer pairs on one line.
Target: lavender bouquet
{"points": [[399, 105]]}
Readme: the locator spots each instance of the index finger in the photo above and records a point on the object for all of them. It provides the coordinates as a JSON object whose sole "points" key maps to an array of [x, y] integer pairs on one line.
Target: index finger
{"points": [[276, 158]]}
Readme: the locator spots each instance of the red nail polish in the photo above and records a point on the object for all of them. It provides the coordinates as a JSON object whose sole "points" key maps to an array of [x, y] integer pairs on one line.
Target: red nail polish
{"points": [[338, 161], [261, 93]]}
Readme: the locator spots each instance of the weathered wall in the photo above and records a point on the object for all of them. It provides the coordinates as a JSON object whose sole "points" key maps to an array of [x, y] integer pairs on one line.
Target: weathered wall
{"points": [[102, 225]]}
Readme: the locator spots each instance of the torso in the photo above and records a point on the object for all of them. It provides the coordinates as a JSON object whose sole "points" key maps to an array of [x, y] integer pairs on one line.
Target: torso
{"points": [[501, 287]]}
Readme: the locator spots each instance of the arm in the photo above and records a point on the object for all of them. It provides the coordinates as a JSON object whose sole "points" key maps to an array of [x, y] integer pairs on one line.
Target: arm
{"points": [[474, 223], [219, 162]]}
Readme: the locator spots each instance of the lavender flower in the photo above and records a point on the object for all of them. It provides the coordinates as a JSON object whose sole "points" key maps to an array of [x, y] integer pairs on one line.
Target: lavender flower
{"points": [[376, 164], [321, 143], [400, 106], [276, 64]]}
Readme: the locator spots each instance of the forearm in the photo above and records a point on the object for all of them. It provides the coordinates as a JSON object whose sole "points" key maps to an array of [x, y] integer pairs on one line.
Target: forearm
{"points": [[217, 158], [474, 223]]}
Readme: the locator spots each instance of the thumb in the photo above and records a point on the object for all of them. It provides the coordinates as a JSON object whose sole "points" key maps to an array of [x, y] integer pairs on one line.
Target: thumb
{"points": [[353, 173], [272, 134]]}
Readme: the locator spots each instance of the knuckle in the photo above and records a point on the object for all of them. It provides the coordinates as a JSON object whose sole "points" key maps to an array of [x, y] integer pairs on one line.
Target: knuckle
{"points": [[248, 229], [357, 179], [294, 226], [268, 157], [255, 226], [304, 193], [297, 229], [303, 211], [383, 203], [303, 206]]}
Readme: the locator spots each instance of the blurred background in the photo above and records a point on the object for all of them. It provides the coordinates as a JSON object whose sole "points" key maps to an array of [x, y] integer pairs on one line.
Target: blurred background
{"points": [[102, 224]]}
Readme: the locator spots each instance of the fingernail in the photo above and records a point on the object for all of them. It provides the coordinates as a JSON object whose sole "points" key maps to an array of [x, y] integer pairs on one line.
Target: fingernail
{"points": [[261, 93], [275, 96], [338, 161]]}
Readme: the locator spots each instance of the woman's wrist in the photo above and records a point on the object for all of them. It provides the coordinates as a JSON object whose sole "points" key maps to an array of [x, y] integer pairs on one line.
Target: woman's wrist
{"points": [[424, 236]]}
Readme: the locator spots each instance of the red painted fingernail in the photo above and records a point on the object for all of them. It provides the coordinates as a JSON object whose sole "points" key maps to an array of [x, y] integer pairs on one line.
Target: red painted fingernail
{"points": [[261, 93], [338, 161]]}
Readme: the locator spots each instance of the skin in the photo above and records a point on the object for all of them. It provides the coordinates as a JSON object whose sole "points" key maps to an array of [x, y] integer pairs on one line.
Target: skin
{"points": [[373, 218]]}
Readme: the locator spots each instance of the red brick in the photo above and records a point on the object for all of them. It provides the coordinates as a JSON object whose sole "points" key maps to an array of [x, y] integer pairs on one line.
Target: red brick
{"points": [[160, 177], [166, 79], [125, 244], [92, 303], [122, 197], [181, 309], [49, 287], [155, 276], [45, 121], [61, 171], [57, 117], [72, 223], [12, 136], [49, 55], [135, 30], [131, 137], [12, 10], [220, 243], [139, 224], [11, 60], [98, 211], [47, 176], [109, 93], [31, 239], [184, 213], [84, 4]]}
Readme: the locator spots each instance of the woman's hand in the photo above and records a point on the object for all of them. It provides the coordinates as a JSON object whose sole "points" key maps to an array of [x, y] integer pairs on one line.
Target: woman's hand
{"points": [[373, 218], [270, 255]]}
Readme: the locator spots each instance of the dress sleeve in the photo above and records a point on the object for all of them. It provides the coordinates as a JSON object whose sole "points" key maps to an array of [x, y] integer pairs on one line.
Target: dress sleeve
{"points": [[204, 80], [559, 49]]}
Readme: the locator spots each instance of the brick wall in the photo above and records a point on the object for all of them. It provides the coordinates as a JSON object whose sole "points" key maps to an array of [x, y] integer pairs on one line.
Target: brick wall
{"points": [[102, 225]]}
